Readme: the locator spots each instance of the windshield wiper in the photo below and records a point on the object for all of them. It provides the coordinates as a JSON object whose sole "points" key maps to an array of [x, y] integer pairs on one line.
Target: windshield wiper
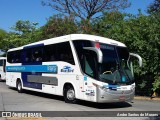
{"points": [[108, 81]]}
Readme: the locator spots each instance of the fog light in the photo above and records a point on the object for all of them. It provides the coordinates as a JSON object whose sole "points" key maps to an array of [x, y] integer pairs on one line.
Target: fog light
{"points": [[102, 96]]}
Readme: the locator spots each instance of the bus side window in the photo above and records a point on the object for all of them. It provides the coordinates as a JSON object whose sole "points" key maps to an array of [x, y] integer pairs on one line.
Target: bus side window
{"points": [[14, 57], [58, 52], [4, 65], [49, 53], [37, 55], [78, 45], [17, 57], [9, 57], [64, 53], [1, 62], [28, 55]]}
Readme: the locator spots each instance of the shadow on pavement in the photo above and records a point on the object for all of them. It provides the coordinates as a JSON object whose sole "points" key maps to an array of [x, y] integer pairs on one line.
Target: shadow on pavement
{"points": [[104, 105], [2, 80]]}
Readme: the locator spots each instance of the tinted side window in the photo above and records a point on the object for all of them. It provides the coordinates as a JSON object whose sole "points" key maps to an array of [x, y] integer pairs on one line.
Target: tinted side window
{"points": [[49, 53], [4, 65], [32, 55], [37, 54], [54, 52], [27, 55], [64, 52], [17, 56], [1, 62], [14, 57], [9, 57], [79, 44], [59, 52]]}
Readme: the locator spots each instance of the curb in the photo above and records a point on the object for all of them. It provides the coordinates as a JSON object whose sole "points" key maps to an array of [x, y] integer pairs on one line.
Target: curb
{"points": [[146, 98]]}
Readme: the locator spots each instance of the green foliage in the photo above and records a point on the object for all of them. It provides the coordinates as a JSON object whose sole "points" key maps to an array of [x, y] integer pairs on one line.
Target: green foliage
{"points": [[59, 25], [3, 34], [156, 84], [25, 32], [12, 40], [25, 27], [141, 35], [154, 7]]}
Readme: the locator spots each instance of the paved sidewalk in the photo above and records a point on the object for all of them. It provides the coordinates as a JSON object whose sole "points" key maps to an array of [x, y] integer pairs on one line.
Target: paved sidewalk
{"points": [[146, 98]]}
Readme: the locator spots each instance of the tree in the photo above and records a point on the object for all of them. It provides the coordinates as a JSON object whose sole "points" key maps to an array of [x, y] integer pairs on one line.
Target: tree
{"points": [[24, 32], [141, 35], [154, 7], [85, 9], [25, 27], [27, 30], [3, 34], [59, 25], [13, 40]]}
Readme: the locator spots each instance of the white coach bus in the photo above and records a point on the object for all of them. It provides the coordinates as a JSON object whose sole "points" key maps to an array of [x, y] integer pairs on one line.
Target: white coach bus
{"points": [[75, 66], [2, 68]]}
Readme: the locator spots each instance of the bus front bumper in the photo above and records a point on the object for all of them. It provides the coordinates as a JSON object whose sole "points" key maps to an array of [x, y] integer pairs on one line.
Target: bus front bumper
{"points": [[107, 96]]}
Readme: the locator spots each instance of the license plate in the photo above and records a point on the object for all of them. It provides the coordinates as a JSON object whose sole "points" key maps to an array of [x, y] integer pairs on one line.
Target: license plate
{"points": [[122, 98]]}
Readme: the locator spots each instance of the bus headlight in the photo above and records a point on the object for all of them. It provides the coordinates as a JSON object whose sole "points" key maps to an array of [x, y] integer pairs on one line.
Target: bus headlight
{"points": [[132, 88], [100, 87], [103, 88]]}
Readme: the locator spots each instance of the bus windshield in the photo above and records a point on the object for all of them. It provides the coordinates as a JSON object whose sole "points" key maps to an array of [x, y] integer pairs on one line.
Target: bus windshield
{"points": [[115, 67]]}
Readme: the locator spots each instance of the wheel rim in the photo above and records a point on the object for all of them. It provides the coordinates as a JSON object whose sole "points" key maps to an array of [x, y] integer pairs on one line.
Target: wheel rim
{"points": [[70, 94], [19, 86]]}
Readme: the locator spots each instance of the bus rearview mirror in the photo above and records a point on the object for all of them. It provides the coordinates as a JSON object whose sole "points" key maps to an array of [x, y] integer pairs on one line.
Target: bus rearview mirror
{"points": [[138, 57], [97, 51]]}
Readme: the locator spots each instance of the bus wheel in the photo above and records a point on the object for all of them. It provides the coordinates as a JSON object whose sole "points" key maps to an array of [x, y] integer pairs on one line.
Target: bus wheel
{"points": [[19, 86], [69, 94]]}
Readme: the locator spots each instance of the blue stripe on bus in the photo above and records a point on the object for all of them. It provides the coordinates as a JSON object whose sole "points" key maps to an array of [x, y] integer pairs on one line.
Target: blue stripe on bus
{"points": [[33, 68], [112, 87]]}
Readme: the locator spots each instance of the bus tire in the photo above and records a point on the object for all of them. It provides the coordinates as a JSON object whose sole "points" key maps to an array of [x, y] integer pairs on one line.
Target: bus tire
{"points": [[69, 94], [19, 86]]}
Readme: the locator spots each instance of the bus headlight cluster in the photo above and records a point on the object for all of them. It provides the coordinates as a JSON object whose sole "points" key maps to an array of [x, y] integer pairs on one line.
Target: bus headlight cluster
{"points": [[103, 88], [132, 87]]}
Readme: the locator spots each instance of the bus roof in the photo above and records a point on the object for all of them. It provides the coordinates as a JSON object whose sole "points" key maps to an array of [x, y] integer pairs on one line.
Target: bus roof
{"points": [[73, 37], [2, 58]]}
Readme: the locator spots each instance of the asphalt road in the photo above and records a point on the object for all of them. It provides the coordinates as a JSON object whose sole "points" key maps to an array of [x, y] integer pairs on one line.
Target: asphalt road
{"points": [[11, 100]]}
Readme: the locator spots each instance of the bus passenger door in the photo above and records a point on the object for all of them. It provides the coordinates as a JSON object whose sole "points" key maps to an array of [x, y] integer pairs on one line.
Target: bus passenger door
{"points": [[90, 70]]}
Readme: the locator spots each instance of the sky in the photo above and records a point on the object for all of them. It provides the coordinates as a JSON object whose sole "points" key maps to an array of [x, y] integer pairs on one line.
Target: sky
{"points": [[32, 10]]}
